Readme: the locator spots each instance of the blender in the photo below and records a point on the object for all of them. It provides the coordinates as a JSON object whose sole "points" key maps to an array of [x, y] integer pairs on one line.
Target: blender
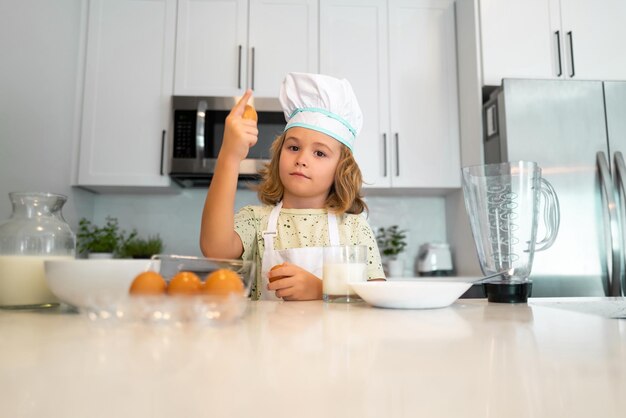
{"points": [[503, 202]]}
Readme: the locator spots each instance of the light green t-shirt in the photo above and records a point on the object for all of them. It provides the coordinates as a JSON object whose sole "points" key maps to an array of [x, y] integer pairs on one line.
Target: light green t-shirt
{"points": [[302, 228]]}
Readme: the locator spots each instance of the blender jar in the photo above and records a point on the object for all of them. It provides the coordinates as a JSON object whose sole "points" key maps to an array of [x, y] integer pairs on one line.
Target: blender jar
{"points": [[503, 202]]}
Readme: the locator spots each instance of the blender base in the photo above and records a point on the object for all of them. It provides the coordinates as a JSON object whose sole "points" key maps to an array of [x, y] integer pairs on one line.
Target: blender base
{"points": [[508, 292]]}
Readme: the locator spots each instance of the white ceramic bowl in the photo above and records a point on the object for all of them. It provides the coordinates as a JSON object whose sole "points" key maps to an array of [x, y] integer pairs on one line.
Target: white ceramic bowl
{"points": [[94, 284], [413, 294]]}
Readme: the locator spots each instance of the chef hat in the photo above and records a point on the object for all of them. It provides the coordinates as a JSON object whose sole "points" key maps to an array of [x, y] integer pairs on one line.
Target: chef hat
{"points": [[322, 103]]}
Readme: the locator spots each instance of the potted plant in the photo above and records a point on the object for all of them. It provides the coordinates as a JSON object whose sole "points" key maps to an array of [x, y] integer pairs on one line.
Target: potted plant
{"points": [[138, 247], [101, 242], [391, 242]]}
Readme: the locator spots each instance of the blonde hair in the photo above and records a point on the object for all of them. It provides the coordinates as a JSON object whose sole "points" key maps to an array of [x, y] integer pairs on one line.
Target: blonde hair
{"points": [[344, 195]]}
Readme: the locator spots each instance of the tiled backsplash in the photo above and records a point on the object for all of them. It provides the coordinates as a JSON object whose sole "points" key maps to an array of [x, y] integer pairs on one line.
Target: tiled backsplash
{"points": [[176, 218]]}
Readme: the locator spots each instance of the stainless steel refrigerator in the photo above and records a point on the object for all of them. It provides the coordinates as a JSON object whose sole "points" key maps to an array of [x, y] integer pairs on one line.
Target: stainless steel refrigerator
{"points": [[576, 131]]}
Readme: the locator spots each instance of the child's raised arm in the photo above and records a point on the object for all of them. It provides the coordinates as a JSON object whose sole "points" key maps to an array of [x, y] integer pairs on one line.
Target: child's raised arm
{"points": [[218, 238]]}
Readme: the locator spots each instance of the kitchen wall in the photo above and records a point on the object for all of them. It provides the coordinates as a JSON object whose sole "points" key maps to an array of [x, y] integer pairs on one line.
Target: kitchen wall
{"points": [[177, 217], [39, 43], [470, 120], [40, 91]]}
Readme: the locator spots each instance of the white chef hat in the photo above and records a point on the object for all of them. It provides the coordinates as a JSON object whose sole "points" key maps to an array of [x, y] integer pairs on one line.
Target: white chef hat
{"points": [[322, 103]]}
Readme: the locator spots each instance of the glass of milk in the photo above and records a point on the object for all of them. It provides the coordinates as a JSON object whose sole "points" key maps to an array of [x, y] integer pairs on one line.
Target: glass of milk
{"points": [[343, 265]]}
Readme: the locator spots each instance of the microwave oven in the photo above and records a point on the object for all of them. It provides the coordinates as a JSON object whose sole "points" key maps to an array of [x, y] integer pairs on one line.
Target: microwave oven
{"points": [[197, 131]]}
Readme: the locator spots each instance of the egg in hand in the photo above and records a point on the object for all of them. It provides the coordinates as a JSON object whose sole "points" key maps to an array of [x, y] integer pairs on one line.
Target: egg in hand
{"points": [[250, 113], [277, 266]]}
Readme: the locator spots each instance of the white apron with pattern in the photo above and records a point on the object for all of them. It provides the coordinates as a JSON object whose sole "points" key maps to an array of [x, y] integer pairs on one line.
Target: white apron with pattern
{"points": [[310, 259]]}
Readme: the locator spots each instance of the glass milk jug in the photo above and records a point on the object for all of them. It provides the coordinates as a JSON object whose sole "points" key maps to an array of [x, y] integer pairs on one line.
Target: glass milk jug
{"points": [[36, 231]]}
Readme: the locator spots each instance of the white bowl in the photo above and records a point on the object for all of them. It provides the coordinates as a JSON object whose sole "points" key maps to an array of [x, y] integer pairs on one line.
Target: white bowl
{"points": [[94, 284], [414, 294]]}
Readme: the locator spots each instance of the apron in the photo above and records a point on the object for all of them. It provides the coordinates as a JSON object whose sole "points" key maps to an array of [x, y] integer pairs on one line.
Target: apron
{"points": [[310, 259]]}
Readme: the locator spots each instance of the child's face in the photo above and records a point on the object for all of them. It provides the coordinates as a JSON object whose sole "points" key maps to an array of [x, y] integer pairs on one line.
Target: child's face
{"points": [[308, 162]]}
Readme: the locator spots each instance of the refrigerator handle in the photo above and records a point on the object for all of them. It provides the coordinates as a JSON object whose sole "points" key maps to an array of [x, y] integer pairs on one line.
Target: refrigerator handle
{"points": [[620, 176], [612, 232]]}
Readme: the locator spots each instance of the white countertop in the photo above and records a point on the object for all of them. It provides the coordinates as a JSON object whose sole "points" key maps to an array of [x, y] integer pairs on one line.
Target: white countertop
{"points": [[311, 359]]}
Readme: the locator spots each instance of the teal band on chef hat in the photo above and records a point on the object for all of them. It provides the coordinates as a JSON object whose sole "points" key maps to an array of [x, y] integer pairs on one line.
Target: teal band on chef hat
{"points": [[327, 113]]}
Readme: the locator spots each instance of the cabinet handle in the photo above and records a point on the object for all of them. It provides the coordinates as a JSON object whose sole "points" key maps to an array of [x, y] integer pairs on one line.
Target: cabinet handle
{"points": [[239, 70], [162, 149], [252, 69], [558, 51], [571, 51], [397, 154], [384, 155]]}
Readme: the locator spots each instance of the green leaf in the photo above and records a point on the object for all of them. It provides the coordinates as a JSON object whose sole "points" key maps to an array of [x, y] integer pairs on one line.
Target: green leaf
{"points": [[390, 240]]}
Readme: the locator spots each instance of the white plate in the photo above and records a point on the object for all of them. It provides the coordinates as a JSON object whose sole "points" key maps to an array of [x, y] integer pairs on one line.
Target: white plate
{"points": [[417, 293]]}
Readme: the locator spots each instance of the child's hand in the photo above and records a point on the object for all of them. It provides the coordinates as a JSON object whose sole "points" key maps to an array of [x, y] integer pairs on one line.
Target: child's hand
{"points": [[297, 283], [239, 134]]}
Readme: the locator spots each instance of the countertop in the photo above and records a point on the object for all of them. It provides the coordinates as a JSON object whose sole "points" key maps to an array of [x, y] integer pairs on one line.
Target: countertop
{"points": [[312, 359]]}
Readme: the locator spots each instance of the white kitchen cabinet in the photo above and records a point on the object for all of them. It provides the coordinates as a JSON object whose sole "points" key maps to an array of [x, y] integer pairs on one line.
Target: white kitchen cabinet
{"points": [[568, 39], [226, 46], [354, 45], [595, 33], [400, 57], [127, 92], [520, 39], [211, 47]]}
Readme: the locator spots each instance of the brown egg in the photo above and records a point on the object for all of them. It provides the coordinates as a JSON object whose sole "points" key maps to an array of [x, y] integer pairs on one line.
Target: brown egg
{"points": [[223, 282], [250, 113], [273, 279], [184, 283], [148, 283]]}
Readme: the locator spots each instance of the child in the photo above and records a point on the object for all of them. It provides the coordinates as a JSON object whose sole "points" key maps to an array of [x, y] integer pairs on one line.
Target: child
{"points": [[310, 191]]}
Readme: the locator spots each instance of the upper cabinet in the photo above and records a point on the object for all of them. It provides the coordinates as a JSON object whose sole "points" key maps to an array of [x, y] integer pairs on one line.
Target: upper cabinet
{"points": [[400, 57], [594, 37], [520, 39], [211, 47], [569, 39], [127, 93], [224, 47]]}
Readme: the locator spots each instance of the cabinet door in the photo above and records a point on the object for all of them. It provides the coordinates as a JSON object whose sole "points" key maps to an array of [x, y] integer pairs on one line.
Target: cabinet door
{"points": [[353, 45], [211, 51], [594, 37], [424, 100], [520, 39], [128, 87], [282, 39]]}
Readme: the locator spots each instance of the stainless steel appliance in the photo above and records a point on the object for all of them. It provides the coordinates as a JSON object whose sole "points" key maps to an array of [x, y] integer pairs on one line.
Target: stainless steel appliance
{"points": [[198, 128], [576, 131], [434, 259]]}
